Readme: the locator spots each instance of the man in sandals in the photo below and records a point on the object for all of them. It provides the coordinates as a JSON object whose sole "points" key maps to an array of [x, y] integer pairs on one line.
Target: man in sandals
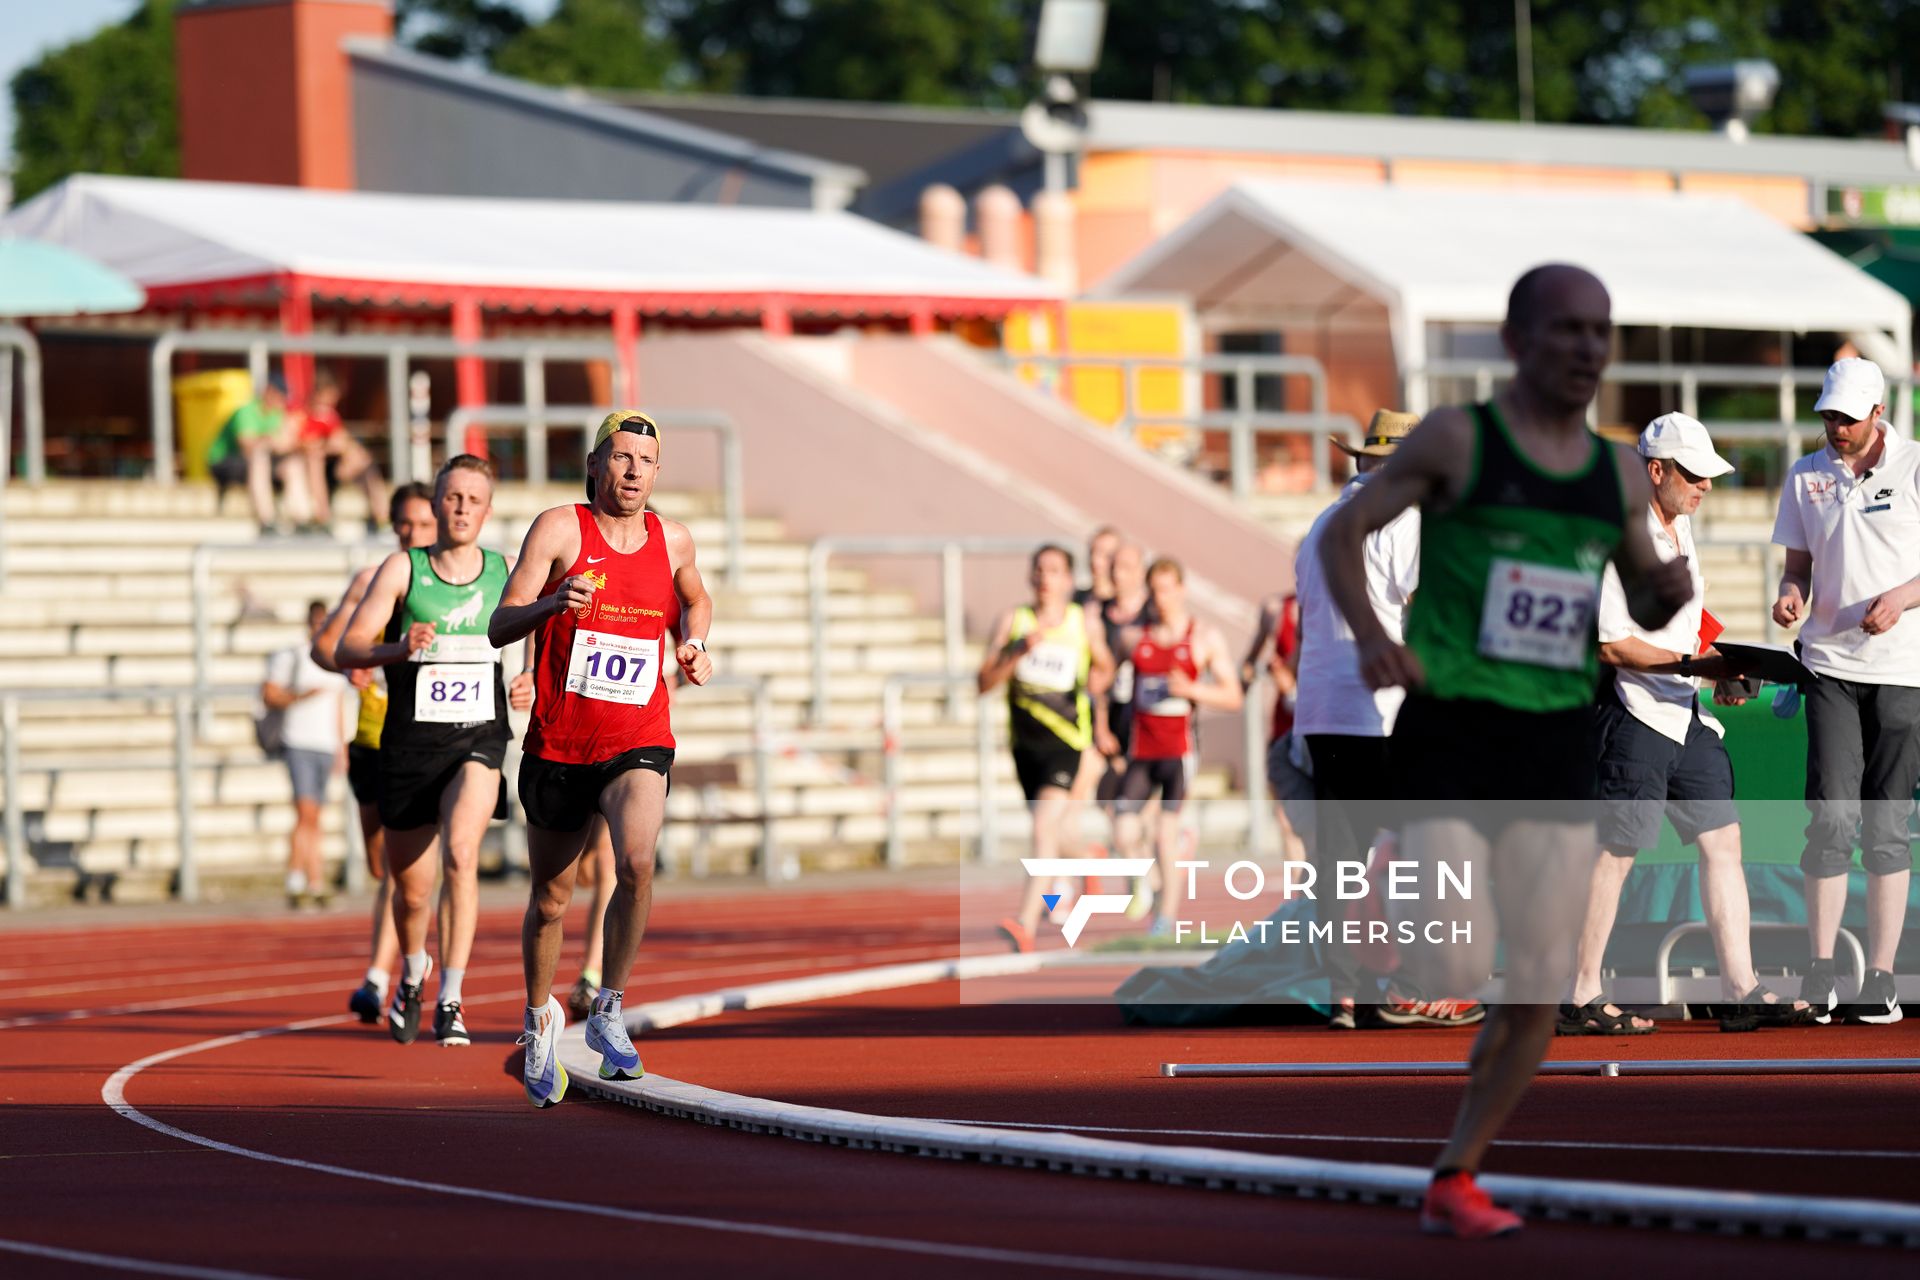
{"points": [[1661, 753]]}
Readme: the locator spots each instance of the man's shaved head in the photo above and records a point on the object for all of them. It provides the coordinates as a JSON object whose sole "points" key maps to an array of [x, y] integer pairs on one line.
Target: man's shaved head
{"points": [[1534, 293]]}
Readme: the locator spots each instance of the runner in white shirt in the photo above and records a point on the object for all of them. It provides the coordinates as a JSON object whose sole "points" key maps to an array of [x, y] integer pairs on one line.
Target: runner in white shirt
{"points": [[1661, 754], [1850, 521]]}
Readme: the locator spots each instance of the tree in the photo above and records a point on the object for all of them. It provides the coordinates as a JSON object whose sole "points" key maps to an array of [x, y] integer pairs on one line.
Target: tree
{"points": [[458, 30], [104, 104], [954, 52], [599, 44]]}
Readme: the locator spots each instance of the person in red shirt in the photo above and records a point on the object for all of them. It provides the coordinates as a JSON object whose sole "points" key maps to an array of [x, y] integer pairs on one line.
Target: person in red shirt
{"points": [[1169, 661], [599, 585], [322, 437], [1279, 626]]}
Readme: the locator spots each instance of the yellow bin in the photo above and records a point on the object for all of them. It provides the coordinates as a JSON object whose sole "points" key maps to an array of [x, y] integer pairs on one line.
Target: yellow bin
{"points": [[202, 403]]}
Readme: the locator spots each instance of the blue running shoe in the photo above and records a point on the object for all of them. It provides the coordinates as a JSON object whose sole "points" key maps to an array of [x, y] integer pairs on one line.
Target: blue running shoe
{"points": [[545, 1078], [607, 1036]]}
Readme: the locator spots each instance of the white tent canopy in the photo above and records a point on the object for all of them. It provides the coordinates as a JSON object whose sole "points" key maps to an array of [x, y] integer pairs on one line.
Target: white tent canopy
{"points": [[168, 233], [1290, 253]]}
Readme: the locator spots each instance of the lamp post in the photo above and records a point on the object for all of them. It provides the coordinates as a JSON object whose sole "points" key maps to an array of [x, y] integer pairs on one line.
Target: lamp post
{"points": [[1066, 45]]}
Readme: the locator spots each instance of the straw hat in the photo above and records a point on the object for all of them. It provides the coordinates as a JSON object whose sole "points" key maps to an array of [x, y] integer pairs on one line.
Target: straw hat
{"points": [[1384, 434]]}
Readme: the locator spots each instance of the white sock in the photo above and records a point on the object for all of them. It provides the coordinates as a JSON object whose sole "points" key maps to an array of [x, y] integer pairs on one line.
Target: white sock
{"points": [[608, 1002], [377, 979], [536, 1018], [450, 985], [296, 882], [416, 968]]}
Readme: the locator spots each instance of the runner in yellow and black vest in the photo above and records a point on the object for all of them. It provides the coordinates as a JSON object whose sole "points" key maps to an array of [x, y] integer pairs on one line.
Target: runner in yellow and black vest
{"points": [[1052, 655], [445, 733], [1522, 507], [410, 512]]}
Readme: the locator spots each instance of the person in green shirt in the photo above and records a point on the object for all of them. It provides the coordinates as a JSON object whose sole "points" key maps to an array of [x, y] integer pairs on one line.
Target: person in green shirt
{"points": [[249, 444], [1522, 508]]}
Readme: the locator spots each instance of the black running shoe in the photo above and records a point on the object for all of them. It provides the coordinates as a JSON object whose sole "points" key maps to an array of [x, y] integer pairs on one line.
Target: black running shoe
{"points": [[1817, 990], [365, 1003], [403, 1015], [580, 1000], [1877, 1005], [448, 1027]]}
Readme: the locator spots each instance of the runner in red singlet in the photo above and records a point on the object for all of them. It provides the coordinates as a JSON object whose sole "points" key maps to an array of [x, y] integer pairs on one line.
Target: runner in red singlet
{"points": [[1168, 663], [599, 585]]}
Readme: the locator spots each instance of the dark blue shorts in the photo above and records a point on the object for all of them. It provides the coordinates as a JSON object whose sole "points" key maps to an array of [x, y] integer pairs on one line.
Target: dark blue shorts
{"points": [[1645, 776]]}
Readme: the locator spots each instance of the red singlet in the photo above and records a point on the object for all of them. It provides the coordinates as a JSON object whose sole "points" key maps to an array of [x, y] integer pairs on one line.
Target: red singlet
{"points": [[1286, 643], [1160, 721], [598, 673]]}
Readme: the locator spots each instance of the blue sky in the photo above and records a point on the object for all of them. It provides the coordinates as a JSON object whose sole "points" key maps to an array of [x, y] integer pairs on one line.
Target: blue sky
{"points": [[29, 28]]}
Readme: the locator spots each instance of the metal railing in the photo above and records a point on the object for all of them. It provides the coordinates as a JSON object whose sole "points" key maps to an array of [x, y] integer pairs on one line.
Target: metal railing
{"points": [[1663, 955], [187, 702], [987, 744], [187, 879], [1242, 423], [535, 418], [15, 340], [398, 352], [760, 694], [354, 556], [1792, 432], [952, 553]]}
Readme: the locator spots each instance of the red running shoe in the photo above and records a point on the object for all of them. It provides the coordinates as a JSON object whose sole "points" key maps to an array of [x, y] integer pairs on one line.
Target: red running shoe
{"points": [[1456, 1206], [1411, 1011], [1016, 937]]}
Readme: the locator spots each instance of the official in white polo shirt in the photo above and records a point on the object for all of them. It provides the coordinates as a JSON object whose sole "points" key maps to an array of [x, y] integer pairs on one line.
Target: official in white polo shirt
{"points": [[1850, 523], [1662, 755]]}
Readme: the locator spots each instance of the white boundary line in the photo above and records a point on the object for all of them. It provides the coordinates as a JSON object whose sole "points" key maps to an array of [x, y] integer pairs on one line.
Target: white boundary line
{"points": [[1866, 1221], [117, 1263], [114, 1094]]}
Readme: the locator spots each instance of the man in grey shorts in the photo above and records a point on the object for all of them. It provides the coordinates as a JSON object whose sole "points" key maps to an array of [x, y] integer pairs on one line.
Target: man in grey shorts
{"points": [[1850, 523], [307, 698], [1661, 755]]}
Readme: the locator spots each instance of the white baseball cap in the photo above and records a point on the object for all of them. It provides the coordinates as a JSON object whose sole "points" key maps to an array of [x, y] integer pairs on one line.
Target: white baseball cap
{"points": [[1681, 439], [1854, 386]]}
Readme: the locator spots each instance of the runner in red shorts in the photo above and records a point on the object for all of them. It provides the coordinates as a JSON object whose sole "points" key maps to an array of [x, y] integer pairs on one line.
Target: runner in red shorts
{"points": [[599, 585]]}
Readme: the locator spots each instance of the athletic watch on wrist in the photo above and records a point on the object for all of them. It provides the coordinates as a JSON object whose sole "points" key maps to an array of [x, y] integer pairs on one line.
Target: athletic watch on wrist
{"points": [[701, 645], [1686, 665]]}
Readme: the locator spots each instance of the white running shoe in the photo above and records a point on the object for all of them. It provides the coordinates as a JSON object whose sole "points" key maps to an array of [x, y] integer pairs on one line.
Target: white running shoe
{"points": [[546, 1079], [607, 1036]]}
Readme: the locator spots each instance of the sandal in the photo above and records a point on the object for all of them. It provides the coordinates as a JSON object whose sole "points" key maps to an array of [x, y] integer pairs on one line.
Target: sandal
{"points": [[1754, 1011], [1592, 1019]]}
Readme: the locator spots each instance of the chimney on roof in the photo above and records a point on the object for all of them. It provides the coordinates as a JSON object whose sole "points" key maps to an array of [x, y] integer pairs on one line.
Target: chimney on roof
{"points": [[266, 91], [1733, 93]]}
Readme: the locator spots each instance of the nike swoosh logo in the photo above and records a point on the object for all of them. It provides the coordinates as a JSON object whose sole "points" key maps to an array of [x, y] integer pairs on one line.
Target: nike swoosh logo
{"points": [[595, 559]]}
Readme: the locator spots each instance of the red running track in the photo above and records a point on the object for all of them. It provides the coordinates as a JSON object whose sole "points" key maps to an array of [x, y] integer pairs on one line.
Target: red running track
{"points": [[387, 1161]]}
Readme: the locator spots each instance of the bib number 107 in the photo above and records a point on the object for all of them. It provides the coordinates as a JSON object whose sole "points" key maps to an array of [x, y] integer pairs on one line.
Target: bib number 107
{"points": [[616, 668]]}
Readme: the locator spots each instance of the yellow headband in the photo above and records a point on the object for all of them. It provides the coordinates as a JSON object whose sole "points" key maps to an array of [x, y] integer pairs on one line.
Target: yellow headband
{"points": [[625, 420]]}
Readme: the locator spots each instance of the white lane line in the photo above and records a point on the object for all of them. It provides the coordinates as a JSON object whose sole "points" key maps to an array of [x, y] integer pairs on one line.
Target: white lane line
{"points": [[242, 994], [117, 1263], [114, 1094], [1439, 1140]]}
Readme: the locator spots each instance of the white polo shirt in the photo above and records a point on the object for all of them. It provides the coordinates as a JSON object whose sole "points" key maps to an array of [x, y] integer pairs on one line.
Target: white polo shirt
{"points": [[1332, 697], [1864, 535], [1663, 702]]}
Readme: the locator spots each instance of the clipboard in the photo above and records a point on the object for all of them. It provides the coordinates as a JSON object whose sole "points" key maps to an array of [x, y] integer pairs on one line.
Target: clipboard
{"points": [[1772, 663]]}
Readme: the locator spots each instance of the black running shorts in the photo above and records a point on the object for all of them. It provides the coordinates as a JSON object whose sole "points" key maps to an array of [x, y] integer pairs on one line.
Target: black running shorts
{"points": [[411, 782], [564, 797], [1491, 764], [1168, 777], [363, 774], [1042, 765]]}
